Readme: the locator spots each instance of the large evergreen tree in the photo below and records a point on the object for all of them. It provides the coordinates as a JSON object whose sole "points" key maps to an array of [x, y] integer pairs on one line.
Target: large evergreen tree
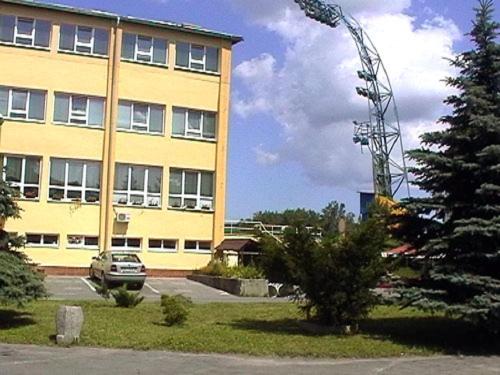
{"points": [[458, 226]]}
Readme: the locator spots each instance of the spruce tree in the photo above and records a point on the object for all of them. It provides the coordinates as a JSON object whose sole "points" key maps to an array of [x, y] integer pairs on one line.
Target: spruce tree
{"points": [[457, 227]]}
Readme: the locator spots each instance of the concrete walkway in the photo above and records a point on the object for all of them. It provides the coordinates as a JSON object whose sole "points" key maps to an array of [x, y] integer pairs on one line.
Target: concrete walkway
{"points": [[34, 360]]}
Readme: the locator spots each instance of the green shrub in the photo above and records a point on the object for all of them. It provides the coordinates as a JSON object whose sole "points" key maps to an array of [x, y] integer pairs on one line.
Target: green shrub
{"points": [[244, 272], [214, 268], [175, 308], [124, 298], [103, 291]]}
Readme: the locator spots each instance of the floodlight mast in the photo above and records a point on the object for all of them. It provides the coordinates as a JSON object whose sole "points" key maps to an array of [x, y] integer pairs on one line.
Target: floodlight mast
{"points": [[381, 134]]}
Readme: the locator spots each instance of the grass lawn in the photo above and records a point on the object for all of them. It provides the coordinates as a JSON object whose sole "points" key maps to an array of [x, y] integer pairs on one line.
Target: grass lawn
{"points": [[253, 329]]}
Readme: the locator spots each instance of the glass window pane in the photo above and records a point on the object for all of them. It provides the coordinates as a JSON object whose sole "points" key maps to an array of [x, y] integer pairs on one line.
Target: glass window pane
{"points": [[79, 104], [13, 169], [124, 113], [61, 108], [178, 121], [37, 105], [4, 101], [155, 244], [19, 99], [42, 33], [84, 34], [93, 175], [96, 111], [212, 63], [205, 245], [57, 172], [67, 37], [134, 242], [25, 28], [191, 183], [137, 179], [91, 196], [7, 28], [160, 51], [137, 200], [91, 241], [197, 52], [32, 171], [128, 46], [118, 242], [190, 245], [156, 119], [33, 238], [175, 186], [144, 44], [75, 173], [101, 41], [154, 180], [174, 202], [121, 177], [207, 184], [140, 114], [209, 125], [182, 54], [170, 244], [194, 120], [50, 239]]}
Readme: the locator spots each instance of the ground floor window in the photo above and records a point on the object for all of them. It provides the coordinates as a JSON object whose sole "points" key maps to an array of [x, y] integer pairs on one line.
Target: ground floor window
{"points": [[198, 246], [83, 242], [162, 245], [42, 240], [126, 243]]}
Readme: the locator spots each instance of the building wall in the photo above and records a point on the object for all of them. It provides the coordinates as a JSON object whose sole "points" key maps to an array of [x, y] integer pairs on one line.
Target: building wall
{"points": [[55, 71]]}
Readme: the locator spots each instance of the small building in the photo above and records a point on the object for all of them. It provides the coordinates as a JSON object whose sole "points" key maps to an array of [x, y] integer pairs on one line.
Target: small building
{"points": [[238, 251], [115, 134]]}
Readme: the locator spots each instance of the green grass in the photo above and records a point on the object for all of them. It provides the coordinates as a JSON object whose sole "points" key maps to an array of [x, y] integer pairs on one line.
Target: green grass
{"points": [[253, 329]]}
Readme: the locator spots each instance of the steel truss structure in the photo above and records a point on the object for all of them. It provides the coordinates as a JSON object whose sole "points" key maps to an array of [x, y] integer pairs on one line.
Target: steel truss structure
{"points": [[381, 134]]}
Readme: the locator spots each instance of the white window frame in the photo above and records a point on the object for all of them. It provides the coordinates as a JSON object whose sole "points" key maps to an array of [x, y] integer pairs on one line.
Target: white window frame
{"points": [[187, 112], [79, 115], [209, 201], [82, 244], [42, 240], [17, 34], [144, 193], [145, 127], [195, 61], [24, 112], [162, 248], [138, 53], [198, 250], [84, 44], [22, 185], [66, 187], [127, 247]]}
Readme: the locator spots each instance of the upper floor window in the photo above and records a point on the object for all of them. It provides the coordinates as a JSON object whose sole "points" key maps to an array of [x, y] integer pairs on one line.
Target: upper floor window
{"points": [[22, 104], [74, 180], [25, 31], [137, 185], [197, 57], [144, 49], [23, 173], [191, 189], [79, 110], [193, 123], [140, 117], [84, 39]]}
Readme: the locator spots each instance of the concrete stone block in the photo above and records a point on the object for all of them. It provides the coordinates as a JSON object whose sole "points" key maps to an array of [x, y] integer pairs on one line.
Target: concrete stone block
{"points": [[69, 322]]}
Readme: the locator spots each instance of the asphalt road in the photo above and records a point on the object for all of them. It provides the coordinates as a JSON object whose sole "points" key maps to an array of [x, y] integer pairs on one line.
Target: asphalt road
{"points": [[82, 288], [34, 360]]}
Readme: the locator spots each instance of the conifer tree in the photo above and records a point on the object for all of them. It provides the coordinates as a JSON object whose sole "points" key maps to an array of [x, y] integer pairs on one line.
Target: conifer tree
{"points": [[457, 226]]}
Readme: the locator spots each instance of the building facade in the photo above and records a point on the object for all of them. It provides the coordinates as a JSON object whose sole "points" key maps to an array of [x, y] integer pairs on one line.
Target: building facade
{"points": [[115, 133]]}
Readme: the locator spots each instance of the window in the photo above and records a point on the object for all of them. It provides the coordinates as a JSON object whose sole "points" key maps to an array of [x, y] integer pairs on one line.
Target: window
{"points": [[25, 31], [122, 243], [137, 185], [191, 189], [193, 123], [42, 240], [23, 173], [84, 39], [163, 245], [74, 180], [22, 104], [83, 242], [144, 49], [79, 110], [193, 56], [198, 246], [140, 117]]}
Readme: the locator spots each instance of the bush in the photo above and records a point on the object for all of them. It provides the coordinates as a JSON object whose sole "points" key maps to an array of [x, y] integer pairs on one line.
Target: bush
{"points": [[243, 272], [124, 298], [175, 308], [214, 268]]}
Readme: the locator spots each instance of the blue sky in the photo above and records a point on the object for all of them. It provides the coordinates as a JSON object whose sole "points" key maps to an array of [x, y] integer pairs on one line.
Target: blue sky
{"points": [[290, 138]]}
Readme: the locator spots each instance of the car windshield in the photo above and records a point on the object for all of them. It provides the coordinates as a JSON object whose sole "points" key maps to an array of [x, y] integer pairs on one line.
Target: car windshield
{"points": [[125, 258]]}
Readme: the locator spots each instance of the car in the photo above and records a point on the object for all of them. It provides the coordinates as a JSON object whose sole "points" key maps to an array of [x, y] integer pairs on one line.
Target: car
{"points": [[113, 267]]}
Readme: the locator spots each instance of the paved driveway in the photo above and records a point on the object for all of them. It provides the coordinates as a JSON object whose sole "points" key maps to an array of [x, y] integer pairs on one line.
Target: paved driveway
{"points": [[34, 360], [82, 288]]}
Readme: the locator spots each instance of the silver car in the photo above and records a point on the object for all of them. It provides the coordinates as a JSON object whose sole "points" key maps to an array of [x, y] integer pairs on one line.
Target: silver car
{"points": [[113, 267]]}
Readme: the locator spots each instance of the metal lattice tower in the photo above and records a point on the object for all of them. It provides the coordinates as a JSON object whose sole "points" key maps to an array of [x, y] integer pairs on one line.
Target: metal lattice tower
{"points": [[381, 134]]}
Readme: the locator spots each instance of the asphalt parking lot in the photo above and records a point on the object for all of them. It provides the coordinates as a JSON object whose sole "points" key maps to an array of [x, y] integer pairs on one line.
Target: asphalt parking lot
{"points": [[82, 288]]}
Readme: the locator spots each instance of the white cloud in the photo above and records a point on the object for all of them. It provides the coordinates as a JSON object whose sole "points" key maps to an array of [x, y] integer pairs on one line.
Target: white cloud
{"points": [[265, 157], [310, 92]]}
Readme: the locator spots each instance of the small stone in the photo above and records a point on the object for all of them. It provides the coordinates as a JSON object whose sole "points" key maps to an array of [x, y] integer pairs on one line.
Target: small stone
{"points": [[69, 322]]}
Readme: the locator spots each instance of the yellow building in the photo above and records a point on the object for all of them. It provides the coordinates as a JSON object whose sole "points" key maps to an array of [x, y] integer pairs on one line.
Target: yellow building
{"points": [[115, 133]]}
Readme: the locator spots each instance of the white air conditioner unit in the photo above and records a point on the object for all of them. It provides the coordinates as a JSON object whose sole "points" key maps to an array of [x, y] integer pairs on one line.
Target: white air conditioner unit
{"points": [[122, 217]]}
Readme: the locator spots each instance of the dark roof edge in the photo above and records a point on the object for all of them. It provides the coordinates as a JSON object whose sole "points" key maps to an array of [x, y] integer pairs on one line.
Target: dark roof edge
{"points": [[193, 29]]}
